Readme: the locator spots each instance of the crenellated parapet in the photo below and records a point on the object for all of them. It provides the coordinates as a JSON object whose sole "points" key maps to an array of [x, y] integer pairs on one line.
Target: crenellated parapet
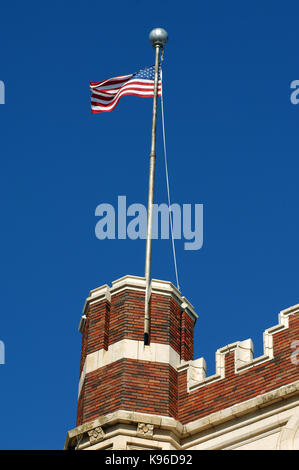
{"points": [[243, 354], [239, 376], [156, 392]]}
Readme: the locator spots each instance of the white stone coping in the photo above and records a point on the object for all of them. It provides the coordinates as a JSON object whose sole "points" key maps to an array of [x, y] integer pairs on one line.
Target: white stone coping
{"points": [[82, 323], [194, 427], [138, 284], [240, 409], [243, 350]]}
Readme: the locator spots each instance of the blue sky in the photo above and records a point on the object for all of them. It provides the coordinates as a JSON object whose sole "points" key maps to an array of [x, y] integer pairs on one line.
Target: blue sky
{"points": [[232, 137]]}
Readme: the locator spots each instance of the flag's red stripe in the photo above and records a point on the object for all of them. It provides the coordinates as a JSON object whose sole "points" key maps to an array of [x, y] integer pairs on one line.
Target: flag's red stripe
{"points": [[113, 80], [130, 83], [144, 83], [110, 98], [128, 86], [104, 108], [133, 80], [128, 89]]}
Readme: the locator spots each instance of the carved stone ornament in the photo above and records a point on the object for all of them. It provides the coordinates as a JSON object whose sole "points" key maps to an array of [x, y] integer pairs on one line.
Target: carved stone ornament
{"points": [[96, 435], [145, 429]]}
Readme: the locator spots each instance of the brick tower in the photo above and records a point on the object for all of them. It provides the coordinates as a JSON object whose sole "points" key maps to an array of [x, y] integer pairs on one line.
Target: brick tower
{"points": [[137, 396]]}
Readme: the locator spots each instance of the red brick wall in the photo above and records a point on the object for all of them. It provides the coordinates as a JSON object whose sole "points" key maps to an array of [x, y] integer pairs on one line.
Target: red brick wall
{"points": [[133, 384], [124, 318], [165, 321], [128, 384], [187, 327], [98, 326], [127, 316]]}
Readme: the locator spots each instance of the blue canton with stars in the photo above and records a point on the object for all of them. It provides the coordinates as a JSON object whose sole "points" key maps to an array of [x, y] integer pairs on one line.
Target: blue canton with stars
{"points": [[147, 74]]}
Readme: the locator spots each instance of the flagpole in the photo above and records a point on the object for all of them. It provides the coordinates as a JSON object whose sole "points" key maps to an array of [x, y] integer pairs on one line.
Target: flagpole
{"points": [[158, 38]]}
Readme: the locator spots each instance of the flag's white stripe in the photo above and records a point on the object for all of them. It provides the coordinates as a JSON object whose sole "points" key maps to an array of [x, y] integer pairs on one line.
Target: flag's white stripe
{"points": [[146, 86], [139, 91], [127, 89], [107, 102], [116, 86], [128, 86], [110, 98], [144, 80], [108, 87]]}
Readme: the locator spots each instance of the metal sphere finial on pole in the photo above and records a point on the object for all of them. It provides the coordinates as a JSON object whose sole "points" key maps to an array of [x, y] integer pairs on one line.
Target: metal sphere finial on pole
{"points": [[158, 37]]}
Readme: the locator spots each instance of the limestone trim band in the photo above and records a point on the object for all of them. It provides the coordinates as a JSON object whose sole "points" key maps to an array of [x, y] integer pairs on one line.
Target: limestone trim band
{"points": [[185, 436]]}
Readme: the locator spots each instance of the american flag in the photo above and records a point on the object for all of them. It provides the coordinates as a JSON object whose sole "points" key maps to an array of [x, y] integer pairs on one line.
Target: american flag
{"points": [[106, 94]]}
